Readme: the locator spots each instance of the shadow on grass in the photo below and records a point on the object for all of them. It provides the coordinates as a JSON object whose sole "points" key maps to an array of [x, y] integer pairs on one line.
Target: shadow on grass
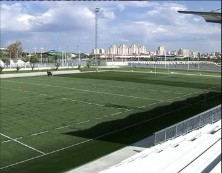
{"points": [[145, 78], [140, 125]]}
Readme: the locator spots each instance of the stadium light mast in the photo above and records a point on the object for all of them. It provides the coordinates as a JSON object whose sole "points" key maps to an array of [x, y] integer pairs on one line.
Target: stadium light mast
{"points": [[79, 63], [165, 58], [96, 33], [41, 54]]}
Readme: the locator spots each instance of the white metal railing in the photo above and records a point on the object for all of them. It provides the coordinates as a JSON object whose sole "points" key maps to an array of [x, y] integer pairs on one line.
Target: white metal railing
{"points": [[208, 117]]}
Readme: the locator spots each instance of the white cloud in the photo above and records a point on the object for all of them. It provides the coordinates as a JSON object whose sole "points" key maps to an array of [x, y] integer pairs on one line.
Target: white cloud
{"points": [[106, 14], [60, 23], [121, 7], [12, 18]]}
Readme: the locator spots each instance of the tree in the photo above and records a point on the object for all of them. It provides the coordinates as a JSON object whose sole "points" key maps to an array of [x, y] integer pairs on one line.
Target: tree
{"points": [[33, 59], [4, 57], [15, 49], [25, 57]]}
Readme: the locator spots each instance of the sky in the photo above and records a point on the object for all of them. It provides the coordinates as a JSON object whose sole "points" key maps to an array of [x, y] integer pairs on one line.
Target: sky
{"points": [[70, 25]]}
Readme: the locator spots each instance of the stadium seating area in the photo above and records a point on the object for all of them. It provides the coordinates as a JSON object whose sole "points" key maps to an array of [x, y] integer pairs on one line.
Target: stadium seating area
{"points": [[197, 151]]}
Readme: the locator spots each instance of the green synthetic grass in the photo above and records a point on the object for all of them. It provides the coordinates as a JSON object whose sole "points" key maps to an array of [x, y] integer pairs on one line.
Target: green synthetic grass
{"points": [[74, 119], [164, 70]]}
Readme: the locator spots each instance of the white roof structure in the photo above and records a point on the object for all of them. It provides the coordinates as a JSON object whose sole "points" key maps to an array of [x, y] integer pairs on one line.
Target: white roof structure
{"points": [[213, 17], [196, 152]]}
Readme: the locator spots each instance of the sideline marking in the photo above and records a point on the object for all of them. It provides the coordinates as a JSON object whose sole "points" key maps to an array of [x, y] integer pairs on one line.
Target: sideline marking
{"points": [[62, 127], [23, 144], [127, 110], [83, 90], [39, 133], [176, 73], [124, 128], [83, 122], [110, 86], [42, 94], [161, 115]]}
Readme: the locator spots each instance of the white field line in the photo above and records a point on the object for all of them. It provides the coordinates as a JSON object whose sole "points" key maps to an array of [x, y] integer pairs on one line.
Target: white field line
{"points": [[127, 110], [62, 127], [42, 94], [175, 73], [98, 136], [109, 86], [83, 90], [39, 133], [83, 122], [23, 144], [70, 146]]}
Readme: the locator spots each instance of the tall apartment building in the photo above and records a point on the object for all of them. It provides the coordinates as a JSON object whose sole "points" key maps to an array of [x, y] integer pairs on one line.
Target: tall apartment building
{"points": [[161, 50], [133, 49], [184, 52], [96, 51], [142, 50], [122, 50], [113, 49]]}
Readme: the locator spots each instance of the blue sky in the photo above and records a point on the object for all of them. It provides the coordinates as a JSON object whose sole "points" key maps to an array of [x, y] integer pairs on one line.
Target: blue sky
{"points": [[63, 25]]}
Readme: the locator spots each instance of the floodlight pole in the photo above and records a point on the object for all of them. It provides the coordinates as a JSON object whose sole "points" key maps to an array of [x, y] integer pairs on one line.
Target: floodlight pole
{"points": [[165, 60], [188, 67], [96, 33], [155, 68], [41, 54], [78, 55]]}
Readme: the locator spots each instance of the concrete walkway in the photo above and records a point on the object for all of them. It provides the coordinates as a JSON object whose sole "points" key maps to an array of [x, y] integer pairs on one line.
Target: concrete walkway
{"points": [[37, 74], [115, 157]]}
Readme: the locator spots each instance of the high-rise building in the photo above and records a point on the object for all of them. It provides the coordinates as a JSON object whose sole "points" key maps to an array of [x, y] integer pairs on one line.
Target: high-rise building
{"points": [[161, 50], [142, 50], [133, 49], [113, 49], [184, 52], [96, 51], [122, 50]]}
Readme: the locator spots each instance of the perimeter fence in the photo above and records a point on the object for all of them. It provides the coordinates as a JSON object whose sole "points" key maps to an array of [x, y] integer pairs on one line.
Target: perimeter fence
{"points": [[208, 117]]}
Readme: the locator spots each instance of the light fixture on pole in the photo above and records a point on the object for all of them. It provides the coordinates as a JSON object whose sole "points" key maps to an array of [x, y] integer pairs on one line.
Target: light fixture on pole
{"points": [[79, 63], [96, 33], [41, 54], [188, 67]]}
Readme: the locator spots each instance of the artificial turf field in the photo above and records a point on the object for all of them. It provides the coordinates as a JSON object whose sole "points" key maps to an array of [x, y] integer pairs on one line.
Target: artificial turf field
{"points": [[53, 124]]}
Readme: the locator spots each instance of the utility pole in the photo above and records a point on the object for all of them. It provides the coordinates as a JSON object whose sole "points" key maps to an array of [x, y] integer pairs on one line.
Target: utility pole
{"points": [[96, 33], [41, 54], [79, 64]]}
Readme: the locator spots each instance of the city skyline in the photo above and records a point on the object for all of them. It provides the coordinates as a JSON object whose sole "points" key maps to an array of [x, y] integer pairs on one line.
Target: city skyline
{"points": [[69, 26], [133, 49]]}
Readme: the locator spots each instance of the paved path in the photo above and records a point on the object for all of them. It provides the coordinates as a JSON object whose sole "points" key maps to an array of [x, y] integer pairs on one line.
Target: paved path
{"points": [[37, 73], [115, 157]]}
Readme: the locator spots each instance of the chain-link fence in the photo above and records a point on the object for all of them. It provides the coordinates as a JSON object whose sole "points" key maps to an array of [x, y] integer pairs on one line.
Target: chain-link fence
{"points": [[208, 117]]}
